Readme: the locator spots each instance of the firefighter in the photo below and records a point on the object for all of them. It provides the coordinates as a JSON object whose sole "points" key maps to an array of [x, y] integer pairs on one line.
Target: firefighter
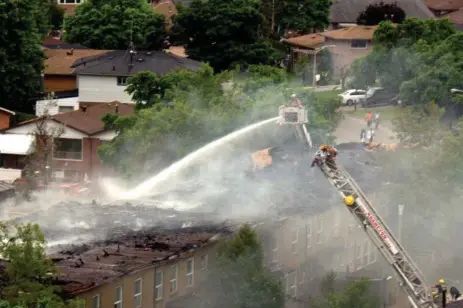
{"points": [[296, 102], [320, 155], [327, 153]]}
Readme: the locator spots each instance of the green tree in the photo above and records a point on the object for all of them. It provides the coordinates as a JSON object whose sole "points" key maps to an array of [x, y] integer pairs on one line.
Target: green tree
{"points": [[241, 277], [356, 294], [27, 276], [378, 12], [223, 33], [113, 24], [56, 15], [182, 111], [305, 16], [21, 60]]}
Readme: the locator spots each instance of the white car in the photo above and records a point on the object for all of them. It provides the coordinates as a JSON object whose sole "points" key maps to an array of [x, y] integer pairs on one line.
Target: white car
{"points": [[352, 96]]}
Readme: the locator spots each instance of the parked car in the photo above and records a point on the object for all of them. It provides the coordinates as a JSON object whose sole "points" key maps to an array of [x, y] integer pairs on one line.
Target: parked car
{"points": [[352, 96], [379, 97]]}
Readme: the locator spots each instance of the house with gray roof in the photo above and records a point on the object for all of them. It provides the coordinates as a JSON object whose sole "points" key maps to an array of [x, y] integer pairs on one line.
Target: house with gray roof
{"points": [[347, 11], [103, 77]]}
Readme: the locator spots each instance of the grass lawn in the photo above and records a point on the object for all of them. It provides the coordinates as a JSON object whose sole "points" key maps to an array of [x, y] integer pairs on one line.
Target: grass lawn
{"points": [[387, 113], [326, 95]]}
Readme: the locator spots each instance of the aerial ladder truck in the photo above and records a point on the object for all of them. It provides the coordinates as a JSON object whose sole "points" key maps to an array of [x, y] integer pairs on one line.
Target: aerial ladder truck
{"points": [[410, 277]]}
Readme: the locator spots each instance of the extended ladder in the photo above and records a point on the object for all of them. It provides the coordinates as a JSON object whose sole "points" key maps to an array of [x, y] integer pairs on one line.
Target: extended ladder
{"points": [[411, 279]]}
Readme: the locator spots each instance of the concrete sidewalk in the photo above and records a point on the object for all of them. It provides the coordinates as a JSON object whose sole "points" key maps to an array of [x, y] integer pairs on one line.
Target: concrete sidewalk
{"points": [[349, 129]]}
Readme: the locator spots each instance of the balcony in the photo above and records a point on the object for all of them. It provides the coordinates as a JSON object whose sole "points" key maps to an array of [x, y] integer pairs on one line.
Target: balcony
{"points": [[66, 155]]}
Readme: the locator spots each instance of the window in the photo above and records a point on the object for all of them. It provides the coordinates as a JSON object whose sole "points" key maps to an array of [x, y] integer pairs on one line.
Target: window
{"points": [[358, 256], [309, 235], [275, 251], [366, 246], [69, 149], [137, 293], [173, 278], [204, 259], [70, 1], [372, 254], [337, 218], [301, 278], [294, 241], [96, 301], [121, 81], [64, 109], [358, 44], [158, 286], [190, 272], [118, 301], [320, 229], [292, 291]]}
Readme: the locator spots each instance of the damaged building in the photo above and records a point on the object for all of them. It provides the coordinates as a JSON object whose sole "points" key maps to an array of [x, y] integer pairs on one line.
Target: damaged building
{"points": [[138, 268]]}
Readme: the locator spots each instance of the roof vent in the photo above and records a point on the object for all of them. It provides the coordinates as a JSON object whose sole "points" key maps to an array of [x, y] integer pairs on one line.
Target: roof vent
{"points": [[114, 67], [111, 57], [149, 53], [140, 59]]}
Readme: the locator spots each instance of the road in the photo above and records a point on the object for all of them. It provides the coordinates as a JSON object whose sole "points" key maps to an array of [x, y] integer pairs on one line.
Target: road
{"points": [[349, 129]]}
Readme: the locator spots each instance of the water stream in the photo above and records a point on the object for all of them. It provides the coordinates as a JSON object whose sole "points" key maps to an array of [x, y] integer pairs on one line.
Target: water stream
{"points": [[150, 186]]}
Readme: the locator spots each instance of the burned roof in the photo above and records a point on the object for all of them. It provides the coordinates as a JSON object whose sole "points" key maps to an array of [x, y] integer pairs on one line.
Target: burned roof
{"points": [[126, 63], [86, 266], [347, 11]]}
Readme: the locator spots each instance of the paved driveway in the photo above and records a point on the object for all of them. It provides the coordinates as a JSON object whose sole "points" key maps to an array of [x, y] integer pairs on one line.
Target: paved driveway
{"points": [[349, 129]]}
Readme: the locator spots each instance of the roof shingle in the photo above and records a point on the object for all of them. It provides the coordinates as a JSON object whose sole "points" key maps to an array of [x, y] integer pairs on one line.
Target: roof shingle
{"points": [[122, 63], [351, 33], [59, 61], [306, 41], [88, 120], [444, 5], [455, 17], [347, 11]]}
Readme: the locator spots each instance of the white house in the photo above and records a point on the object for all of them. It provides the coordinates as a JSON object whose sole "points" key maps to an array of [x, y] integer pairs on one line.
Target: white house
{"points": [[103, 78]]}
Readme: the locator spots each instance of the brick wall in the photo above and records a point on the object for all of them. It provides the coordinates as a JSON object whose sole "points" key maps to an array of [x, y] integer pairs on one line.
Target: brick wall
{"points": [[4, 120]]}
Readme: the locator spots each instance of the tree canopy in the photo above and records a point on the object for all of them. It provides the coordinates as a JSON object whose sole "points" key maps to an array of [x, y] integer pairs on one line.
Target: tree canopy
{"points": [[223, 33], [182, 111], [355, 294], [241, 279], [378, 12], [113, 24], [26, 271], [21, 60]]}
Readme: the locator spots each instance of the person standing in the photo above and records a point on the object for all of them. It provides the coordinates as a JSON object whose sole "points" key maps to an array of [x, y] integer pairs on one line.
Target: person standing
{"points": [[369, 118], [376, 120]]}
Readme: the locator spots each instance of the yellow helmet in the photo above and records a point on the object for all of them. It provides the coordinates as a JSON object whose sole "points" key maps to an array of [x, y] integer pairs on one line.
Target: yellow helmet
{"points": [[323, 147], [441, 281]]}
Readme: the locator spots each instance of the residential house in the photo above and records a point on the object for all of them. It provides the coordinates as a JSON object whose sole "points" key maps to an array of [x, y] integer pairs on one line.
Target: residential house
{"points": [[346, 45], [13, 152], [442, 7], [103, 78], [345, 12], [75, 149], [56, 43], [58, 74], [69, 5], [6, 117], [142, 269]]}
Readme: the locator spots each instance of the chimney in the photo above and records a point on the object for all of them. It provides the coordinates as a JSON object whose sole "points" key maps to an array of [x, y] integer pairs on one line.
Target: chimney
{"points": [[84, 108], [71, 52], [117, 108]]}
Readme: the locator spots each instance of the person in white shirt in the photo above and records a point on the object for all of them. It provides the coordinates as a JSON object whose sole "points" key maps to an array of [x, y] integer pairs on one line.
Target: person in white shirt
{"points": [[376, 120]]}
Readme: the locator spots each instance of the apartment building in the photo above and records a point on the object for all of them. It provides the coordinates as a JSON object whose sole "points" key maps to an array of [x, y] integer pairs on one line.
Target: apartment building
{"points": [[143, 269]]}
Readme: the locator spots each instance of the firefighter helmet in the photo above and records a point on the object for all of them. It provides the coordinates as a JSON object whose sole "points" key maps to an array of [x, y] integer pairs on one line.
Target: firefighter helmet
{"points": [[323, 147], [441, 281]]}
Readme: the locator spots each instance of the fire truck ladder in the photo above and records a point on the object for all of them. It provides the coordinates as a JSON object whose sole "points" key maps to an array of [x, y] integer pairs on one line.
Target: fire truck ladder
{"points": [[411, 279]]}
